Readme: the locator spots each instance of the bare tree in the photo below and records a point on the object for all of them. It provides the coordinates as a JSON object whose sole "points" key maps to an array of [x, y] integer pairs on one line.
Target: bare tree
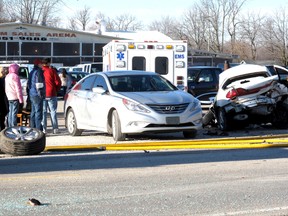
{"points": [[83, 17], [126, 22], [276, 35], [32, 11], [251, 30], [3, 17], [123, 22], [233, 21], [72, 25], [168, 26], [195, 27], [220, 14]]}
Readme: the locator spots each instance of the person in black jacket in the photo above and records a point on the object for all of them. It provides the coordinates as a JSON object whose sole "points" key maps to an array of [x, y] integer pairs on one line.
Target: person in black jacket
{"points": [[36, 89], [4, 108]]}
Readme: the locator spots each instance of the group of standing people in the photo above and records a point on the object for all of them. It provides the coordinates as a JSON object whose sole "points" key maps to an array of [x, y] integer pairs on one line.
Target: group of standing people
{"points": [[42, 87]]}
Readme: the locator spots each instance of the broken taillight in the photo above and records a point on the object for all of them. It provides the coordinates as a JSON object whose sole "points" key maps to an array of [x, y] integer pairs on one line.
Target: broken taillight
{"points": [[233, 93]]}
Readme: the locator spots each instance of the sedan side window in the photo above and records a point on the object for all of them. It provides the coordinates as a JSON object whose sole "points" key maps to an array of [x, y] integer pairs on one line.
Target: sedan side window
{"points": [[87, 83], [100, 82]]}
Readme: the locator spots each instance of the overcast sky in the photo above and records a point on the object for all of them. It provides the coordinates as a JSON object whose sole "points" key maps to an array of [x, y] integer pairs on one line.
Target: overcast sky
{"points": [[150, 10]]}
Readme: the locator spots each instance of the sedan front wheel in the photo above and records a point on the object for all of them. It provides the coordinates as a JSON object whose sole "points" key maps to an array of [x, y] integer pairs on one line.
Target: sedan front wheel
{"points": [[116, 127], [71, 124]]}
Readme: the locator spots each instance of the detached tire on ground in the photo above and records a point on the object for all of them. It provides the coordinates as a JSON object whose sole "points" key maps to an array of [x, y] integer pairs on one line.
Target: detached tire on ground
{"points": [[21, 140]]}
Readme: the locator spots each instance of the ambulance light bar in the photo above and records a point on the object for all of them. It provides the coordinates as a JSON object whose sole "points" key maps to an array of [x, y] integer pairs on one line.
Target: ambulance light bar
{"points": [[169, 47], [131, 46], [120, 47], [140, 47]]}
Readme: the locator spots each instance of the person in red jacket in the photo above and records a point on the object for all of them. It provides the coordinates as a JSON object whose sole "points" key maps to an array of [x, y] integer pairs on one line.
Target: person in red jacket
{"points": [[53, 85]]}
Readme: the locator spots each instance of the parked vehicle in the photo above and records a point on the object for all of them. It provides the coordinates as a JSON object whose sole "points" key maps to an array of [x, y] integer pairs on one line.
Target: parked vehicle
{"points": [[282, 73], [168, 58], [249, 94], [75, 76], [90, 67], [130, 102], [203, 82]]}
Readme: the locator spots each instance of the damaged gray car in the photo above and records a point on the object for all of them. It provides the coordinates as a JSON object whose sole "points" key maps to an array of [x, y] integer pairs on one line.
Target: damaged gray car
{"points": [[250, 94]]}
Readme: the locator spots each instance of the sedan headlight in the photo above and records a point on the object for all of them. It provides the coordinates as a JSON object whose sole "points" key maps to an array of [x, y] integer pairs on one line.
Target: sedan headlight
{"points": [[134, 106], [195, 104]]}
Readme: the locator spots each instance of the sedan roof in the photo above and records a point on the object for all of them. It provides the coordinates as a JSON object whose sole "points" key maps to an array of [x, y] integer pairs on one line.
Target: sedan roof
{"points": [[127, 72]]}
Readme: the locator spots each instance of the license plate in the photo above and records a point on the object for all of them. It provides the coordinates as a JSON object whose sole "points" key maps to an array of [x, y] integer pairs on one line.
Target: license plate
{"points": [[172, 120]]}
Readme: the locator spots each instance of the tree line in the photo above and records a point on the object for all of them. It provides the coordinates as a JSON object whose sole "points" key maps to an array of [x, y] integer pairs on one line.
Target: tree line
{"points": [[220, 26]]}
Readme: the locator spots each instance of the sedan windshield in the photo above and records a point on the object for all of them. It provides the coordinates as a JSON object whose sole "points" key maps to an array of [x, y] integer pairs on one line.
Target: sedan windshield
{"points": [[140, 83]]}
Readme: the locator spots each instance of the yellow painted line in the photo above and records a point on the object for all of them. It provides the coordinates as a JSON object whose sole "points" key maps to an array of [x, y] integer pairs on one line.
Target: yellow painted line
{"points": [[248, 142], [230, 146], [26, 177]]}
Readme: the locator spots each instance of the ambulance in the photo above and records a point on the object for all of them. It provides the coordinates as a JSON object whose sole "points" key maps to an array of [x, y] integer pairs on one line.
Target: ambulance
{"points": [[169, 59]]}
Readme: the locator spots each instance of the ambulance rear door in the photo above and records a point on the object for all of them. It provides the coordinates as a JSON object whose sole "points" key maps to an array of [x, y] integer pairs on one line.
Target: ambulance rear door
{"points": [[152, 57]]}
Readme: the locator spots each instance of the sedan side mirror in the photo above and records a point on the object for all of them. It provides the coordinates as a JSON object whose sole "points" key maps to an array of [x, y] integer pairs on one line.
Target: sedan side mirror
{"points": [[98, 90]]}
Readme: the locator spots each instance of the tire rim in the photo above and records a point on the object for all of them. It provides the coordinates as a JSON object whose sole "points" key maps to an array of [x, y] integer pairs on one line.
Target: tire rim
{"points": [[71, 122], [22, 133]]}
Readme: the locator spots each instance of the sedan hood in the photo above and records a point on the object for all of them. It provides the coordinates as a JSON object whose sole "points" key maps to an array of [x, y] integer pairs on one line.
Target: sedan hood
{"points": [[167, 97]]}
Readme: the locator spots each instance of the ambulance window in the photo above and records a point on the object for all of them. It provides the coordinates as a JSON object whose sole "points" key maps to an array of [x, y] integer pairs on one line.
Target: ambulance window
{"points": [[161, 65], [139, 63]]}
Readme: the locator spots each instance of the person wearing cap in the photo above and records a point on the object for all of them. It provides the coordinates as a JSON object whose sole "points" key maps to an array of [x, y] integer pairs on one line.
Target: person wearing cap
{"points": [[53, 85], [36, 90], [14, 94]]}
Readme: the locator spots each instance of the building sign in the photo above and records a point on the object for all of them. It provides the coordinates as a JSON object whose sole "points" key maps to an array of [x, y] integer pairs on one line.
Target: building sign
{"points": [[37, 36], [23, 34]]}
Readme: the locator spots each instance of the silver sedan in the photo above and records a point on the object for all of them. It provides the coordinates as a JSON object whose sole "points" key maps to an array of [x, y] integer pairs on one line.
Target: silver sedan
{"points": [[130, 102]]}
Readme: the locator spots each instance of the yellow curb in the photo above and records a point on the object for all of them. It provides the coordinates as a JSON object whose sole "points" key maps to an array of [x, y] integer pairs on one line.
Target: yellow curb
{"points": [[253, 142]]}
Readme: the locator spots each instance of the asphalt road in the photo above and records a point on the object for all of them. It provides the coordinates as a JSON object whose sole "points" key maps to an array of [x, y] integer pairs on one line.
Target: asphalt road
{"points": [[169, 183], [157, 182]]}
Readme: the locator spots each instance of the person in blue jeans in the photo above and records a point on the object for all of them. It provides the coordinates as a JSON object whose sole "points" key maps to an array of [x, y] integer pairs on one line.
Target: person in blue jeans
{"points": [[53, 85], [50, 103], [36, 90], [13, 90]]}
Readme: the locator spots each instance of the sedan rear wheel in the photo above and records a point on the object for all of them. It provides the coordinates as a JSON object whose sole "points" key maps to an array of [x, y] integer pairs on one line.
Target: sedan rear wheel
{"points": [[116, 127], [72, 124]]}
